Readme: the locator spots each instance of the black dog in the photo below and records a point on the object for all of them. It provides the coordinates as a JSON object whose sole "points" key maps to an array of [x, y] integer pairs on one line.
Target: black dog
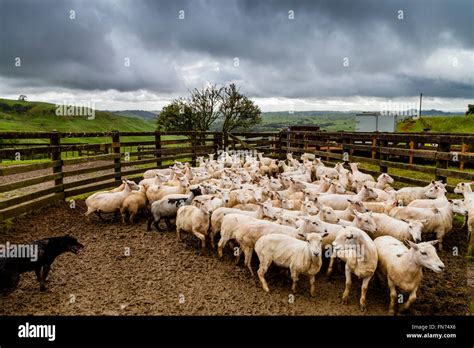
{"points": [[47, 251]]}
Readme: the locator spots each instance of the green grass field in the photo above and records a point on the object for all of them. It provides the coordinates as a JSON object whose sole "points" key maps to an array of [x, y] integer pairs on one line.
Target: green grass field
{"points": [[40, 117], [440, 124], [328, 121]]}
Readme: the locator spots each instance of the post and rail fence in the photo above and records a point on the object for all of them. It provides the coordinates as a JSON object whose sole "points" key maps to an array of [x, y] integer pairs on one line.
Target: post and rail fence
{"points": [[42, 168]]}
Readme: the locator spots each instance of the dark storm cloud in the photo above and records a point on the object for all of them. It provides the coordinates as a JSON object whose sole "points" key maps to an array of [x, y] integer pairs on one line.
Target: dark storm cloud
{"points": [[302, 58]]}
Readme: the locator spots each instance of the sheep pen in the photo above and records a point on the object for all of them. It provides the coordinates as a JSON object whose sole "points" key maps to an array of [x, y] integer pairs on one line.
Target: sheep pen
{"points": [[127, 270]]}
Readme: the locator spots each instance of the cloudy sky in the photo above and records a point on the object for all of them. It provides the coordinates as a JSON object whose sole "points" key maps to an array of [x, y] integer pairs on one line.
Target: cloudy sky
{"points": [[301, 55]]}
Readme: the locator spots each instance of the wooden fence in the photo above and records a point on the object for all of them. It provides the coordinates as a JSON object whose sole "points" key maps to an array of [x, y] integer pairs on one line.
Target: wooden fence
{"points": [[102, 159], [432, 154]]}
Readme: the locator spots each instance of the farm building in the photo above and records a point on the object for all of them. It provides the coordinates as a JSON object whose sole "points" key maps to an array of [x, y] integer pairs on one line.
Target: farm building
{"points": [[376, 122]]}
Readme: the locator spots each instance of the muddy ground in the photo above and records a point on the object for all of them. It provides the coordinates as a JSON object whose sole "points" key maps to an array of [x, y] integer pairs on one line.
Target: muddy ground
{"points": [[164, 277]]}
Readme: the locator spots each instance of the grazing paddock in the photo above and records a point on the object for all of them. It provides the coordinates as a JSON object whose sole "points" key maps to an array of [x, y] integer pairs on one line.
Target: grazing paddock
{"points": [[159, 269]]}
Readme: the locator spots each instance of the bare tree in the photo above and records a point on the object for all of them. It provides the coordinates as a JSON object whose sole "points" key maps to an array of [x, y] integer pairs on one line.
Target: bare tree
{"points": [[205, 104]]}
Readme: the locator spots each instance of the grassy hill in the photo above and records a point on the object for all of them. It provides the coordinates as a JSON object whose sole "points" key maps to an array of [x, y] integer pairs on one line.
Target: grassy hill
{"points": [[29, 116], [440, 124], [148, 115], [327, 120]]}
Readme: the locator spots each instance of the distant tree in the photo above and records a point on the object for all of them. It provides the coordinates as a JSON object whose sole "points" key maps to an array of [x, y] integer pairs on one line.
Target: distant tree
{"points": [[237, 110], [470, 109], [177, 116], [22, 97], [205, 106]]}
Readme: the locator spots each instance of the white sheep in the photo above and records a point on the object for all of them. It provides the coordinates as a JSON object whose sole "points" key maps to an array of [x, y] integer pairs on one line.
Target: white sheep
{"points": [[107, 202], [402, 266], [218, 215], [408, 194], [340, 202], [360, 255], [135, 201], [357, 175], [321, 170], [248, 233], [168, 206], [401, 230], [437, 220], [300, 256], [192, 219]]}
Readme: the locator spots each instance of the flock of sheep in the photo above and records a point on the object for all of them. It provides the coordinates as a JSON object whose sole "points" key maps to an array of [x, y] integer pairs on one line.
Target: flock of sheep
{"points": [[293, 214]]}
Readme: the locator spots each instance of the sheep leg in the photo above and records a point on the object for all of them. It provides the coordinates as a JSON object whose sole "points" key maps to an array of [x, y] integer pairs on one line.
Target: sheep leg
{"points": [[331, 264], [124, 215], [202, 238], [312, 283], [87, 213], [100, 216], [150, 221], [221, 245], [295, 277], [264, 264], [439, 236], [212, 237], [393, 296], [178, 234], [168, 224], [248, 259], [411, 299], [363, 293], [237, 254], [345, 295]]}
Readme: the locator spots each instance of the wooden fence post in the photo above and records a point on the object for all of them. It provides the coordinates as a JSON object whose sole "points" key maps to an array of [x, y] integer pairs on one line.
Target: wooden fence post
{"points": [[463, 151], [116, 150], [159, 163], [193, 151], [55, 145], [278, 151], [217, 142], [225, 141], [382, 156], [412, 147], [442, 164], [374, 144]]}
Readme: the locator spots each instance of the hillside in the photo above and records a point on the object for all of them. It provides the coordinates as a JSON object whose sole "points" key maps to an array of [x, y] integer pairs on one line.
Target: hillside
{"points": [[148, 115], [440, 124], [327, 120], [33, 116]]}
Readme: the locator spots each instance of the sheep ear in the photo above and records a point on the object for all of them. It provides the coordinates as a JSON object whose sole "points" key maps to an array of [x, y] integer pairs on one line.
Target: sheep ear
{"points": [[302, 235], [434, 242], [411, 244]]}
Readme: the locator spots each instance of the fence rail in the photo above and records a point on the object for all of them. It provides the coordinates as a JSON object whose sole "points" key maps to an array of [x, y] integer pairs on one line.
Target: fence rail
{"points": [[101, 163]]}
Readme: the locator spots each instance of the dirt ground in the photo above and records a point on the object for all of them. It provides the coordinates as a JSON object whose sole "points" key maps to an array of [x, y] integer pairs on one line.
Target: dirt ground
{"points": [[164, 277]]}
